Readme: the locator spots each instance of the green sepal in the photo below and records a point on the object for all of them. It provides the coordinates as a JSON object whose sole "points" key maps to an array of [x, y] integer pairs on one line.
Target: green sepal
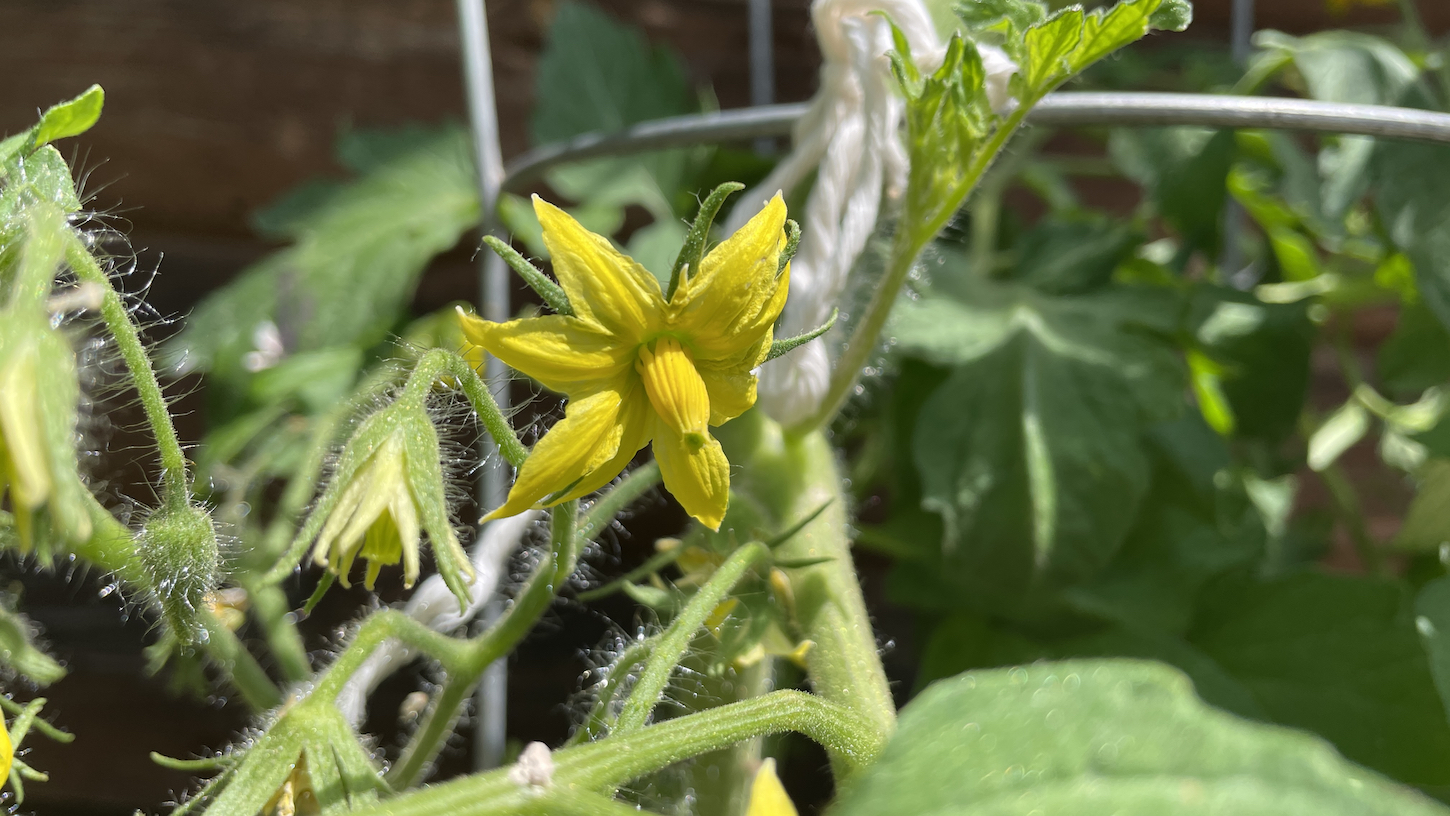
{"points": [[19, 652], [193, 766], [693, 250], [792, 244], [553, 295], [71, 118], [781, 347], [425, 480]]}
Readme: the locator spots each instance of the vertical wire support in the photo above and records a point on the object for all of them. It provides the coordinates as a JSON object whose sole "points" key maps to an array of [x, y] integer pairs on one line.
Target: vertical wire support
{"points": [[492, 695], [1231, 259], [762, 62]]}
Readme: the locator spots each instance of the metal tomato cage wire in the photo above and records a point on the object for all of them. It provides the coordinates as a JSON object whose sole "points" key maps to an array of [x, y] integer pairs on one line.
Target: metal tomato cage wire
{"points": [[763, 122]]}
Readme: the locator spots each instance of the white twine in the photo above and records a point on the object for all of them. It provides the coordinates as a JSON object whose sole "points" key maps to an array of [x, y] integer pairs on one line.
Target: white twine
{"points": [[851, 137], [435, 606]]}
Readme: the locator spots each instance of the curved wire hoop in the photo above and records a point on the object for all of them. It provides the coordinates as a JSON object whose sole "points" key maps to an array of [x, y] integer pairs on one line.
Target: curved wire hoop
{"points": [[1056, 110]]}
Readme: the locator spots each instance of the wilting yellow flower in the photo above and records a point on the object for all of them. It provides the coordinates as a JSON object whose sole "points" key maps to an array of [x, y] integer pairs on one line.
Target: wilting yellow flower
{"points": [[375, 518], [767, 795], [38, 395], [638, 368], [295, 797]]}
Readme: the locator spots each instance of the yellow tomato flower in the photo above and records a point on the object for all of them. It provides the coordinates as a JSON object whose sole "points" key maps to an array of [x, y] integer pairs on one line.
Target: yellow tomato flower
{"points": [[638, 368], [375, 517], [767, 795]]}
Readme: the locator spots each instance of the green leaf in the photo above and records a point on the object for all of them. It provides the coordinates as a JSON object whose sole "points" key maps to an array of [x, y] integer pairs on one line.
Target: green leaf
{"points": [[1413, 201], [1105, 737], [1074, 254], [1105, 31], [1264, 351], [597, 73], [1337, 655], [1185, 171], [1339, 432], [1030, 450], [1048, 46], [1432, 621], [1426, 527], [70, 118], [355, 264]]}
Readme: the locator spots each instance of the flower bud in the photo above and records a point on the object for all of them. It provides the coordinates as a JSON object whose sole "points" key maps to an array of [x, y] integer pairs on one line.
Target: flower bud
{"points": [[180, 558], [388, 490]]}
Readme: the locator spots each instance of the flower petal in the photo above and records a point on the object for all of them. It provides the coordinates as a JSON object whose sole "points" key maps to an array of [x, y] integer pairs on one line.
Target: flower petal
{"points": [[732, 393], [636, 421], [698, 479], [767, 795], [588, 436], [736, 295], [563, 353], [604, 286]]}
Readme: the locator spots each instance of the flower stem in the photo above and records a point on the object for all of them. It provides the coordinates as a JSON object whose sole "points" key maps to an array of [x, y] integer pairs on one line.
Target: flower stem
{"points": [[497, 641], [614, 761], [844, 665], [911, 238], [176, 489], [676, 640]]}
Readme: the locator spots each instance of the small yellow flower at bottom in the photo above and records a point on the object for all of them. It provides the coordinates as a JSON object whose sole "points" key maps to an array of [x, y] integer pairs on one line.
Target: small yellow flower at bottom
{"points": [[7, 753], [639, 369], [767, 795]]}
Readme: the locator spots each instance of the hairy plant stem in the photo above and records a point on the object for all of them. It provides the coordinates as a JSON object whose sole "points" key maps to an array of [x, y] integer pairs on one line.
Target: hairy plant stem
{"points": [[665, 656], [497, 641], [797, 477], [616, 760], [176, 486], [913, 236]]}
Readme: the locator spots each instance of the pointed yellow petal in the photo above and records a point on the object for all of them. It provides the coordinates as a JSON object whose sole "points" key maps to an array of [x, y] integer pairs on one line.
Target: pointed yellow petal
{"points": [[604, 286], [736, 295], [698, 478], [732, 392], [19, 425], [562, 353], [588, 436], [636, 420], [767, 795], [405, 517]]}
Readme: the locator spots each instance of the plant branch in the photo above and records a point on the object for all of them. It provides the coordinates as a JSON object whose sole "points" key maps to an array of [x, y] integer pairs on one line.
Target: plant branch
{"points": [[175, 482], [676, 640]]}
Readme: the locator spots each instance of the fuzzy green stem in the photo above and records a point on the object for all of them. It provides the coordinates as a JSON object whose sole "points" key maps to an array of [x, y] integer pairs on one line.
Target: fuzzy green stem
{"points": [[548, 577], [615, 761], [272, 611], [672, 646], [844, 665], [493, 420], [227, 651], [910, 240], [176, 488], [598, 720]]}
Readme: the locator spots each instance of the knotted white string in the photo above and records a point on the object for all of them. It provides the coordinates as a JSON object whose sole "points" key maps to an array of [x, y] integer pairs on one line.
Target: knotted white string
{"points": [[850, 135]]}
